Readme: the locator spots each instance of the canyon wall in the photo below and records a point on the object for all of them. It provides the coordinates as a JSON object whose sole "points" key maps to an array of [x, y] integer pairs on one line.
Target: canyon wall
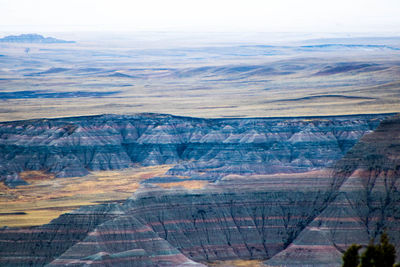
{"points": [[305, 217], [366, 182], [199, 148]]}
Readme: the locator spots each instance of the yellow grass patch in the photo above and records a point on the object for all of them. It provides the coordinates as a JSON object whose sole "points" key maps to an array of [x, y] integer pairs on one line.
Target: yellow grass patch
{"points": [[185, 184], [236, 263], [30, 176], [46, 197]]}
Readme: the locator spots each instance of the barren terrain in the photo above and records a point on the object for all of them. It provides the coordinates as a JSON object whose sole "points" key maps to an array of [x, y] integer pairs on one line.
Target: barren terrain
{"points": [[46, 197], [176, 152]]}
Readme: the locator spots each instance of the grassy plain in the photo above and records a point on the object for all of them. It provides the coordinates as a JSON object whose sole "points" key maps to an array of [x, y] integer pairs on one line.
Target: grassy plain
{"points": [[225, 80], [46, 197]]}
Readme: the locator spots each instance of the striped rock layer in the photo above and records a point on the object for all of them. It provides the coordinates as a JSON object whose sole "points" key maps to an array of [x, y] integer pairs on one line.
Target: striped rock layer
{"points": [[298, 219], [199, 148], [367, 202]]}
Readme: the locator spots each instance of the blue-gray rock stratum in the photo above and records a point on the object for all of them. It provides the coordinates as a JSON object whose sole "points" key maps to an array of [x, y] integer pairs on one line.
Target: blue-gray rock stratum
{"points": [[200, 148], [292, 191]]}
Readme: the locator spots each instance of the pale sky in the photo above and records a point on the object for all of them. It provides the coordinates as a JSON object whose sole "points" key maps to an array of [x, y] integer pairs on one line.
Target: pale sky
{"points": [[201, 15]]}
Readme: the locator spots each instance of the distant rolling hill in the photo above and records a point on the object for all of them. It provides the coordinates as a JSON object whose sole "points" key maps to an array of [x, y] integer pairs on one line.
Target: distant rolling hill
{"points": [[32, 38]]}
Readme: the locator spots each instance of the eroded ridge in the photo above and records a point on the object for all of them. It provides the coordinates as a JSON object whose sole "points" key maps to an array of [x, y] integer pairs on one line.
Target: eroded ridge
{"points": [[291, 219], [366, 202], [202, 149]]}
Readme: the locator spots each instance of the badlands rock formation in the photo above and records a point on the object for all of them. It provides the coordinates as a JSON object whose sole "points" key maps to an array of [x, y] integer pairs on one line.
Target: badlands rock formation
{"points": [[366, 182], [306, 216], [201, 148]]}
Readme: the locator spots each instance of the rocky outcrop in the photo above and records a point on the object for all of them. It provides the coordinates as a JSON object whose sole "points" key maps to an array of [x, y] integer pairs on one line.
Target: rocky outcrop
{"points": [[200, 148], [291, 219], [208, 226], [123, 241], [159, 227], [37, 246], [366, 183]]}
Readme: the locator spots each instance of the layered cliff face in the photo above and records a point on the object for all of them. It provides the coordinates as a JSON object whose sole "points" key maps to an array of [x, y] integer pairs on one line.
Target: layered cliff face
{"points": [[298, 218], [203, 226], [366, 182], [201, 148], [157, 227], [38, 245]]}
